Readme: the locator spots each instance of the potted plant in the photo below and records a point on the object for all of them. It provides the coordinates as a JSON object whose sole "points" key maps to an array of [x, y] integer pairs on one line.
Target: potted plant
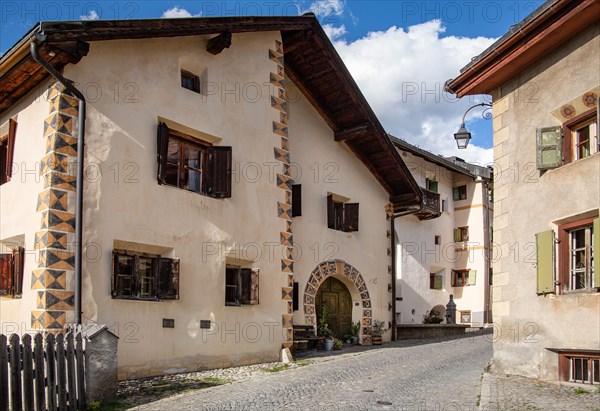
{"points": [[323, 329], [432, 317], [348, 338], [354, 330], [377, 330]]}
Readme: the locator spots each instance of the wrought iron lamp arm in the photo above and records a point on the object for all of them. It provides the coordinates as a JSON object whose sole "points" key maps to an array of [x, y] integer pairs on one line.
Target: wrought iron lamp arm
{"points": [[485, 113]]}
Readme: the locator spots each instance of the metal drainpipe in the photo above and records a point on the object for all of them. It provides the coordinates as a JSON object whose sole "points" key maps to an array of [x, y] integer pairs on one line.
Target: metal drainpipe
{"points": [[80, 154], [393, 226]]}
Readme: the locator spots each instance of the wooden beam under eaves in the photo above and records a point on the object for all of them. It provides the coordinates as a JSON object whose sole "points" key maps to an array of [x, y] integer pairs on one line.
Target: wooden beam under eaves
{"points": [[351, 133], [219, 43]]}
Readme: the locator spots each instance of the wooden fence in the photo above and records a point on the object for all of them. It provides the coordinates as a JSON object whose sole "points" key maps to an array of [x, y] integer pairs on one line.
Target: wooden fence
{"points": [[46, 376]]}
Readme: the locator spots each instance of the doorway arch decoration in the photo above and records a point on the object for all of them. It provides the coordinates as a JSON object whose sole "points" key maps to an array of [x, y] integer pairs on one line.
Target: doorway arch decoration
{"points": [[342, 270]]}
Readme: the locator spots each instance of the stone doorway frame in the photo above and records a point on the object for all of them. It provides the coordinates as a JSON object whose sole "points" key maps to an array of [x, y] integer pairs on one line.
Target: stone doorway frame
{"points": [[341, 270]]}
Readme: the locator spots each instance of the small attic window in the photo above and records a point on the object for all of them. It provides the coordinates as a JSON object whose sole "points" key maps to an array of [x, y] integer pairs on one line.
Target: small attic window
{"points": [[190, 81]]}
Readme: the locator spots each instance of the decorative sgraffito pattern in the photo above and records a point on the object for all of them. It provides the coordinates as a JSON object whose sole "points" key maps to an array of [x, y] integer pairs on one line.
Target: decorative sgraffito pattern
{"points": [[338, 268], [51, 281], [389, 212], [284, 209], [577, 106]]}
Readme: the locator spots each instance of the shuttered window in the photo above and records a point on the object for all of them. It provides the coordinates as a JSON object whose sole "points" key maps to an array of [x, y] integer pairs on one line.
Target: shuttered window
{"points": [[549, 148], [435, 281], [144, 277], [342, 216], [461, 234], [7, 148], [596, 253], [241, 286], [459, 193], [462, 278], [193, 165], [11, 272], [431, 185], [545, 262]]}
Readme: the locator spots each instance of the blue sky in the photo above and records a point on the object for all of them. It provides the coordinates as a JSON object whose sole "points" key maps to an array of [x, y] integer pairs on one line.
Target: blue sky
{"points": [[400, 52]]}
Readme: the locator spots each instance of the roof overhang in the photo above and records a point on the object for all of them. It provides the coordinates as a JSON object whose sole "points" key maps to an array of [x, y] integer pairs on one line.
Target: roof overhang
{"points": [[551, 25], [311, 62]]}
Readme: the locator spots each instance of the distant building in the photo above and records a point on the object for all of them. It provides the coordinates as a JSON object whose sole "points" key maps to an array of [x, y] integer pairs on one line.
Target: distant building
{"points": [[444, 249], [544, 77]]}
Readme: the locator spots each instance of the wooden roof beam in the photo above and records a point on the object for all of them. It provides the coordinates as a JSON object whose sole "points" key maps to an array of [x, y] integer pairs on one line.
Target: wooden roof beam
{"points": [[219, 43], [352, 133]]}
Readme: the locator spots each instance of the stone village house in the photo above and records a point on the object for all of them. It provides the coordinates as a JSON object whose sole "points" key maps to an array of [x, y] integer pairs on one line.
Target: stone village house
{"points": [[235, 180], [544, 78], [444, 249]]}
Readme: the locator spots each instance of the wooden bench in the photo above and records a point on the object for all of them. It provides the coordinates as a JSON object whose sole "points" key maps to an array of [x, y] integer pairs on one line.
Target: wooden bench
{"points": [[305, 337]]}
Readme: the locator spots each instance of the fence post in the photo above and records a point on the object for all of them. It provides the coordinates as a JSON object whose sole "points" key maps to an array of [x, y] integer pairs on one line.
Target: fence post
{"points": [[15, 372], [100, 363], [3, 372]]}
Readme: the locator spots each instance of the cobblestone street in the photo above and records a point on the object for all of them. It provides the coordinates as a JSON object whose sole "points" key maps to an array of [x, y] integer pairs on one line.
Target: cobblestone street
{"points": [[400, 376]]}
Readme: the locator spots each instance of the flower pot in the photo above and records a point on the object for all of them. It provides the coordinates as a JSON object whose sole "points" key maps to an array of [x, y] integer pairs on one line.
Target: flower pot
{"points": [[376, 340], [328, 345], [355, 339]]}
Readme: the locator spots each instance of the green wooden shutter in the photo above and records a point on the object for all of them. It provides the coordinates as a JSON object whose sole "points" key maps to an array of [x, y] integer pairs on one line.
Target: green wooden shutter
{"points": [[457, 235], [434, 186], [455, 194], [545, 262], [596, 253], [437, 282], [549, 147], [472, 277]]}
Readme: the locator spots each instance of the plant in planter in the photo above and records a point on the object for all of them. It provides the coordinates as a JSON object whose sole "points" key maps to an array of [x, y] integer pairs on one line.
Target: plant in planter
{"points": [[354, 330], [377, 330], [323, 329], [432, 317], [337, 344], [347, 338]]}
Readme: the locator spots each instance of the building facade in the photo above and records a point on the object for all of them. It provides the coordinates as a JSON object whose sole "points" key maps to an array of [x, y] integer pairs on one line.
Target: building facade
{"points": [[444, 250], [228, 194], [546, 151]]}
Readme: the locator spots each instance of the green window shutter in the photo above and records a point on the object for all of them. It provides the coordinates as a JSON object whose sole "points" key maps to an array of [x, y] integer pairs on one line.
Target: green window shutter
{"points": [[545, 262], [437, 282], [549, 147], [596, 253], [457, 235], [455, 194], [472, 277], [434, 186]]}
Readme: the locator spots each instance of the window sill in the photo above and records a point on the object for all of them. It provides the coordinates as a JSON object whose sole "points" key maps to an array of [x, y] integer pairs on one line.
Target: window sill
{"points": [[233, 304], [152, 300], [589, 291]]}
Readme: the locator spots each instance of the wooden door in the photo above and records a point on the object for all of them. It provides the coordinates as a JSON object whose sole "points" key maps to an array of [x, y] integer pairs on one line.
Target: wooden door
{"points": [[335, 296]]}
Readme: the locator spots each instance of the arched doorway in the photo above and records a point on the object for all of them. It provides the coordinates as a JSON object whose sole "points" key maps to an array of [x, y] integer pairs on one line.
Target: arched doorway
{"points": [[334, 295]]}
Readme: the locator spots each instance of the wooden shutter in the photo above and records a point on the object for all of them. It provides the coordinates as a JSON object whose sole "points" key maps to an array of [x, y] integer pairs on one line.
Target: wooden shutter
{"points": [[295, 296], [453, 279], [18, 269], [6, 270], [10, 148], [330, 212], [249, 286], [350, 217], [296, 200], [596, 253], [437, 282], [162, 152], [254, 286], [168, 278], [545, 262], [549, 147], [433, 186], [457, 235], [217, 173], [472, 277], [455, 194]]}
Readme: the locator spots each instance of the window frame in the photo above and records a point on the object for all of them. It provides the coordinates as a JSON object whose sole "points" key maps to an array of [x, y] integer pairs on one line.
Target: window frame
{"points": [[459, 193], [155, 267], [433, 279], [342, 216], [564, 255], [570, 130], [246, 285], [566, 366], [461, 234], [465, 274], [465, 313], [7, 150], [195, 81], [15, 263]]}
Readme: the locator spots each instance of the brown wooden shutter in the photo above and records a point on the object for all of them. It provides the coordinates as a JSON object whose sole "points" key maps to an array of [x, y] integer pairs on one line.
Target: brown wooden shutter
{"points": [[350, 217], [10, 149], [596, 253], [162, 152], [18, 268], [330, 212], [217, 173], [6, 270], [246, 285], [295, 296], [254, 283], [168, 278], [296, 200]]}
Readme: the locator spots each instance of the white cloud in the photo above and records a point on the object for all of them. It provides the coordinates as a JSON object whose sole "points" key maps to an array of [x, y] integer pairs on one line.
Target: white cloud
{"points": [[92, 15], [333, 32], [178, 12], [328, 8], [402, 75]]}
